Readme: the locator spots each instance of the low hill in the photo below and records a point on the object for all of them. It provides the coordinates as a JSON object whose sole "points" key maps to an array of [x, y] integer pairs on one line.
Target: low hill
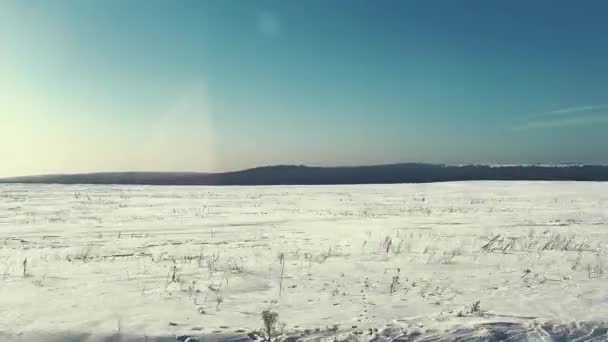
{"points": [[287, 174]]}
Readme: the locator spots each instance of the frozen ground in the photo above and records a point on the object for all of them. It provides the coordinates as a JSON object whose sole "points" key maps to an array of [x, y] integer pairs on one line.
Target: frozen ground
{"points": [[152, 263]]}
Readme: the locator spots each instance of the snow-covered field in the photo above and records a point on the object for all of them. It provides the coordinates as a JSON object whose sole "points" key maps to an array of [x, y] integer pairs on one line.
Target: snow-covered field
{"points": [[147, 263]]}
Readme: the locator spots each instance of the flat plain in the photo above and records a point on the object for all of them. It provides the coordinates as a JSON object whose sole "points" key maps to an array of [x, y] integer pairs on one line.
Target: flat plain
{"points": [[483, 261]]}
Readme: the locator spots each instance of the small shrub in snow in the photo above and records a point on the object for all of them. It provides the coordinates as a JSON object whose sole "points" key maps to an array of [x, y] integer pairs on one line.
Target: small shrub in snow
{"points": [[219, 300], [271, 326], [474, 309], [394, 283], [596, 270]]}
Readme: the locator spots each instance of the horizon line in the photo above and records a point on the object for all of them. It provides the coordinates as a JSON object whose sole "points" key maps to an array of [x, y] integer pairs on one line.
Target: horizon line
{"points": [[269, 166]]}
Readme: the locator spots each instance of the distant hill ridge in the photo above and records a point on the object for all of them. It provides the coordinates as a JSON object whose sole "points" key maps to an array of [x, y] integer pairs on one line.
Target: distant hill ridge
{"points": [[308, 175]]}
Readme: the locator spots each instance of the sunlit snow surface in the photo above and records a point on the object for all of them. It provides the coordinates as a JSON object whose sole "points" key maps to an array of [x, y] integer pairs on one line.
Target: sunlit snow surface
{"points": [[409, 262]]}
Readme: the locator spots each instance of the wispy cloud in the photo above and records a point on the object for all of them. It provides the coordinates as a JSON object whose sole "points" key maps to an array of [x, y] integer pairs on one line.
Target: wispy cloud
{"points": [[574, 110], [570, 116], [564, 122]]}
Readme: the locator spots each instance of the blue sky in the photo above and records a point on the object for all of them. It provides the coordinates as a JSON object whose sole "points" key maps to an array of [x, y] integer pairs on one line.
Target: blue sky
{"points": [[120, 85]]}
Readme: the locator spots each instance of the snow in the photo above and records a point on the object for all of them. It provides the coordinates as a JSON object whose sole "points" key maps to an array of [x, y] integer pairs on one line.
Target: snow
{"points": [[148, 262]]}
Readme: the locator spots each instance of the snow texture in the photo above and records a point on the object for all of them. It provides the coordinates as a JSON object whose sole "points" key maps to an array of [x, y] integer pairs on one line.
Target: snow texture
{"points": [[461, 261]]}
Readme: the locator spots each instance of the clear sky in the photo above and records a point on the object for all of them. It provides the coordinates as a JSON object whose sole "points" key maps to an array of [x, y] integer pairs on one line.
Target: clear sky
{"points": [[117, 85]]}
